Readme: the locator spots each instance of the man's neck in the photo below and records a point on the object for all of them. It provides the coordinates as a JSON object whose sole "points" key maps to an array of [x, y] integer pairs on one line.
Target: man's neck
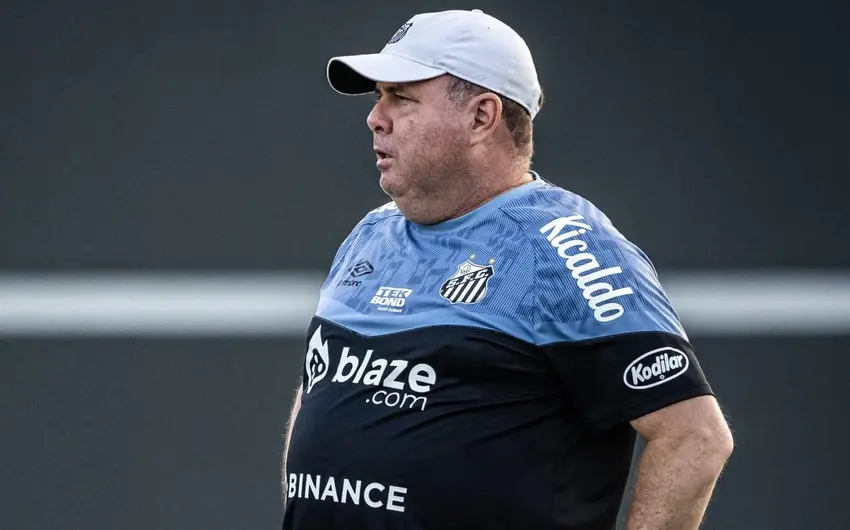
{"points": [[487, 194]]}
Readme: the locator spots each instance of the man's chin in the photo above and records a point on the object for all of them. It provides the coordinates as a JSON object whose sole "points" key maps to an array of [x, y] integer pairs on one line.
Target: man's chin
{"points": [[391, 185]]}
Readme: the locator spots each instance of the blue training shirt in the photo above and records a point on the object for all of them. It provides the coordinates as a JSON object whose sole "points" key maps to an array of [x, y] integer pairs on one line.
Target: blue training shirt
{"points": [[482, 372]]}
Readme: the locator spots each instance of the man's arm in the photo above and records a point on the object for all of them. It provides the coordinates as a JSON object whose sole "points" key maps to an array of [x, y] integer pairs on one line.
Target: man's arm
{"points": [[296, 406], [687, 446]]}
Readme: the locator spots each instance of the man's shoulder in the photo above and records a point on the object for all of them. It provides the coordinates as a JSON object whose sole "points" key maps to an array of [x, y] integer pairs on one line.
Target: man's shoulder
{"points": [[564, 226], [551, 206], [587, 271]]}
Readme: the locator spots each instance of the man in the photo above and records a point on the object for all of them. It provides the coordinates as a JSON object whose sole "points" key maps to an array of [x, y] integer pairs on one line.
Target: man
{"points": [[487, 344]]}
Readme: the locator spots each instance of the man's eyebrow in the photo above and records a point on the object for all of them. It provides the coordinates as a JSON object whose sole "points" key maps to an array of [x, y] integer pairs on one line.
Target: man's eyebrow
{"points": [[391, 88]]}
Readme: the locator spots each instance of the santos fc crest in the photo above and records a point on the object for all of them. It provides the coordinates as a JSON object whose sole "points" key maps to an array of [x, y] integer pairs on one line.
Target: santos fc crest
{"points": [[469, 284]]}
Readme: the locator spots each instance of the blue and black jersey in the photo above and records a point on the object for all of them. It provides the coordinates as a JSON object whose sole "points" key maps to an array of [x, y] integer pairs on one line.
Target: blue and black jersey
{"points": [[482, 372]]}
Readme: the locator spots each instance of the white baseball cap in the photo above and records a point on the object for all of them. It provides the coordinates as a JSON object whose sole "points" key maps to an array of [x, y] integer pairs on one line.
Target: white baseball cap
{"points": [[470, 45]]}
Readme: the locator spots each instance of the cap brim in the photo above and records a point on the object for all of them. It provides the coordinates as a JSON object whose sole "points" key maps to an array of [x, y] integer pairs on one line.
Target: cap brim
{"points": [[357, 74]]}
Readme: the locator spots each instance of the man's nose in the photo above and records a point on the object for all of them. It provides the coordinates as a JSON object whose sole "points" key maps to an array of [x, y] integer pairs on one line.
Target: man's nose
{"points": [[378, 121]]}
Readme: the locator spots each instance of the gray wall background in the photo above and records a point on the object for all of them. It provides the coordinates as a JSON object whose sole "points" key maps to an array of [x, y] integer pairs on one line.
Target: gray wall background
{"points": [[178, 136]]}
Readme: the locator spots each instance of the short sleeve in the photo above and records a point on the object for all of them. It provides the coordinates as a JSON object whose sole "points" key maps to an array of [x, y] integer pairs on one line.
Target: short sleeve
{"points": [[607, 325], [616, 379]]}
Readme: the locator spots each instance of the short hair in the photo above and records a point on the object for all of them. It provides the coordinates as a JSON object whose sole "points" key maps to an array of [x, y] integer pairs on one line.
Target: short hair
{"points": [[517, 119]]}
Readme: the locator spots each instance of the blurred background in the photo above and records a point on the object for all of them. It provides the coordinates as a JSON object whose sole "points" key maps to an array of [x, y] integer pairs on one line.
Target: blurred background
{"points": [[176, 176]]}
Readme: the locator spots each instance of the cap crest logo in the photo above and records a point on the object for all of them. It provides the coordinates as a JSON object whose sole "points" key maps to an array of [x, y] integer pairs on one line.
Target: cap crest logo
{"points": [[402, 31]]}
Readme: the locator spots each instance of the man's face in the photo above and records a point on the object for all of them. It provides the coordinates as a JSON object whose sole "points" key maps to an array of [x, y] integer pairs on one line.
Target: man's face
{"points": [[419, 138]]}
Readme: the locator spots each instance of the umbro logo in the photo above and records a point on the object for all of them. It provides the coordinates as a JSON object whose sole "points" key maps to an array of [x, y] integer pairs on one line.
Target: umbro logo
{"points": [[361, 268]]}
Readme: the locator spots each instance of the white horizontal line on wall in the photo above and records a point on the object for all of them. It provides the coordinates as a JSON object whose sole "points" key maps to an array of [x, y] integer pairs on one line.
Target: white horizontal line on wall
{"points": [[269, 304]]}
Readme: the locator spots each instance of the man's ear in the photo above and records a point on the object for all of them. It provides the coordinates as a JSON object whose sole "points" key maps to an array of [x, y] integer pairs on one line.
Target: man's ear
{"points": [[487, 114]]}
